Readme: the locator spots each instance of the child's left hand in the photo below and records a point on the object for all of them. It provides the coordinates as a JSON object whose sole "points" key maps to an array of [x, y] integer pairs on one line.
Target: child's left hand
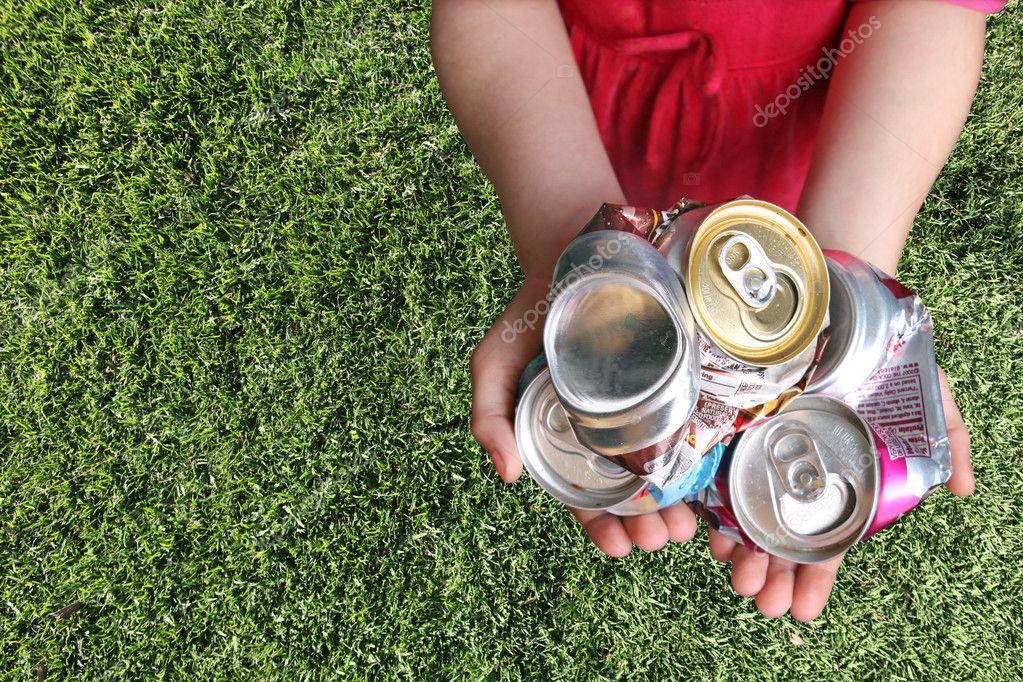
{"points": [[781, 586]]}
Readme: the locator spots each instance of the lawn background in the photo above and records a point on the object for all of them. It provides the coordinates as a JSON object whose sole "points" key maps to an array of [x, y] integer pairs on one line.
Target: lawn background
{"points": [[245, 256]]}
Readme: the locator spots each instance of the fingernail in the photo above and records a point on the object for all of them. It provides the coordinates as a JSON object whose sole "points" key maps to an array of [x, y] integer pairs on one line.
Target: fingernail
{"points": [[499, 466]]}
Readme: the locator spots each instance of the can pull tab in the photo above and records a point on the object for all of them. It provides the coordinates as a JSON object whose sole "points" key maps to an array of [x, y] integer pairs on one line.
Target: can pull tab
{"points": [[795, 456], [748, 270]]}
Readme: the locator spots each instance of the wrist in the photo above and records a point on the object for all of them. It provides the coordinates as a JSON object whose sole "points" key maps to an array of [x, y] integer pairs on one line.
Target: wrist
{"points": [[539, 250], [842, 228], [536, 286]]}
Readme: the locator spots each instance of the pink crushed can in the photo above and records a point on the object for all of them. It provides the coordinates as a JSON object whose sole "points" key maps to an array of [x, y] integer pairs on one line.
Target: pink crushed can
{"points": [[880, 361]]}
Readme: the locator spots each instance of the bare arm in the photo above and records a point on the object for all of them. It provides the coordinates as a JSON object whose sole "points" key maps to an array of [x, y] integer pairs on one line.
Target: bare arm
{"points": [[507, 71], [895, 108], [510, 79]]}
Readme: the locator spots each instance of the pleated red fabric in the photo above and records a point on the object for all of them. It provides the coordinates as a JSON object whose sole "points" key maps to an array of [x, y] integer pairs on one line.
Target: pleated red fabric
{"points": [[683, 92]]}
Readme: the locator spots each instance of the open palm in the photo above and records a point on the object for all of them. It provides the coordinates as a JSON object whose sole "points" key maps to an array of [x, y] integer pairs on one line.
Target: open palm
{"points": [[781, 586]]}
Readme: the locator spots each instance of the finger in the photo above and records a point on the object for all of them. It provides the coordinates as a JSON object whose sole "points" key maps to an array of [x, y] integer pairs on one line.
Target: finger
{"points": [[680, 521], [961, 482], [721, 546], [776, 596], [749, 570], [497, 437], [606, 531], [647, 531], [812, 588]]}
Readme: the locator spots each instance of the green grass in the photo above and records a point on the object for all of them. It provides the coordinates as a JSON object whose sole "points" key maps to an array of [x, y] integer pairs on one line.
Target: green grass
{"points": [[245, 256]]}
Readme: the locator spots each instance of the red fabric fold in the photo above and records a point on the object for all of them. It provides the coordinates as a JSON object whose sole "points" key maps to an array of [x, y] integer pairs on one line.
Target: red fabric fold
{"points": [[676, 86]]}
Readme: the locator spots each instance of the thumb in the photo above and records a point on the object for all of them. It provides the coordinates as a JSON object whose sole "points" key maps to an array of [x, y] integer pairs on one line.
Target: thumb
{"points": [[961, 482], [496, 364], [496, 435]]}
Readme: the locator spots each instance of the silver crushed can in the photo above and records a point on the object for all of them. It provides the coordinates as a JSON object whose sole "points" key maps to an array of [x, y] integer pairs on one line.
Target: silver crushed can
{"points": [[562, 466], [578, 477], [880, 361], [803, 486], [619, 342]]}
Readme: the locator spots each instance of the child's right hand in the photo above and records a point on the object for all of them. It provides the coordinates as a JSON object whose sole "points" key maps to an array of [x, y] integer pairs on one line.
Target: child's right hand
{"points": [[496, 365]]}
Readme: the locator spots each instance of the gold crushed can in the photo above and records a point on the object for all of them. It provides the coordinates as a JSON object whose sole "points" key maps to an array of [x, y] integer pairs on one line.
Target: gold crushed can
{"points": [[757, 284]]}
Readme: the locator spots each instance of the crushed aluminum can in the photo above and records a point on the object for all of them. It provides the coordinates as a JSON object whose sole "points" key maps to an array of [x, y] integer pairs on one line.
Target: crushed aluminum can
{"points": [[864, 314], [880, 360], [814, 480], [804, 486], [655, 226], [578, 477], [757, 284], [619, 340]]}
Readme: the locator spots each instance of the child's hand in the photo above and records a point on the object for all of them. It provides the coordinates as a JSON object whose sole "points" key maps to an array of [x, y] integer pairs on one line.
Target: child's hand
{"points": [[615, 535], [496, 365], [780, 585], [508, 73]]}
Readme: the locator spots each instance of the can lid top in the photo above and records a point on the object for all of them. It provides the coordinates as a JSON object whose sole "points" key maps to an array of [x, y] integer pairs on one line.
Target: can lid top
{"points": [[804, 485], [757, 282], [557, 461], [613, 342]]}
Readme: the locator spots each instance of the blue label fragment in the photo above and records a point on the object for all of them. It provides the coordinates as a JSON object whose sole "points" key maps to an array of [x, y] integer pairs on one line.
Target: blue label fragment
{"points": [[696, 480]]}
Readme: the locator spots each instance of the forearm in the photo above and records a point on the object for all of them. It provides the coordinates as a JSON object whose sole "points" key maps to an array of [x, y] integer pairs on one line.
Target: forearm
{"points": [[895, 108], [509, 77]]}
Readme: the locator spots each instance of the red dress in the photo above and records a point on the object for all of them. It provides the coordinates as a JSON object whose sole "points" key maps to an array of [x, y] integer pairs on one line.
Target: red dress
{"points": [[687, 93], [676, 86], [682, 89]]}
